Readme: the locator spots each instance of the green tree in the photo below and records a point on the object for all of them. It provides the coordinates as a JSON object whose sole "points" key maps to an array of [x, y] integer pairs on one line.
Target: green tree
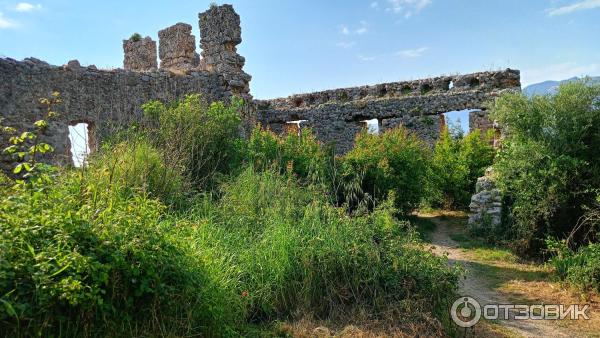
{"points": [[549, 164], [457, 163]]}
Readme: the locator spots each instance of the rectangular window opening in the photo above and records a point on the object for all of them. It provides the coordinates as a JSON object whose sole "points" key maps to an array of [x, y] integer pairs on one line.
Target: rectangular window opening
{"points": [[79, 138]]}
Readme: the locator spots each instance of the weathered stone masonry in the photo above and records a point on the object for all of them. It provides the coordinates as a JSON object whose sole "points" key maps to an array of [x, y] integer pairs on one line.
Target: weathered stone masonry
{"points": [[140, 55], [106, 100], [111, 99], [337, 115]]}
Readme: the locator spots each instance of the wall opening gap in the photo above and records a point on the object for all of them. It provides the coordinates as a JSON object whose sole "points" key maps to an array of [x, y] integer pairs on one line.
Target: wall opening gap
{"points": [[372, 126], [79, 137], [295, 125], [457, 121]]}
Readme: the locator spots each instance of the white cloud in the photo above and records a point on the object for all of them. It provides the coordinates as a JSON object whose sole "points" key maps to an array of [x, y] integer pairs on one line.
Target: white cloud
{"points": [[578, 6], [346, 44], [27, 7], [344, 30], [362, 29], [561, 71], [365, 58], [6, 23], [407, 7], [374, 5], [412, 53]]}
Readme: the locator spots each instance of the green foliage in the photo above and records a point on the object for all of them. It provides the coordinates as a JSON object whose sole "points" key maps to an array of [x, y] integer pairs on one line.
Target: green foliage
{"points": [[293, 251], [456, 164], [548, 165], [85, 258], [202, 138], [98, 251], [298, 153], [393, 163], [135, 37], [26, 149], [81, 260], [581, 268], [137, 165]]}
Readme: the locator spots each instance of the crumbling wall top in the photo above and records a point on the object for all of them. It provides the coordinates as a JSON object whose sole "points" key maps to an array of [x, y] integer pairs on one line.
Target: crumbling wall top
{"points": [[220, 25], [220, 32], [483, 82], [177, 47], [140, 54]]}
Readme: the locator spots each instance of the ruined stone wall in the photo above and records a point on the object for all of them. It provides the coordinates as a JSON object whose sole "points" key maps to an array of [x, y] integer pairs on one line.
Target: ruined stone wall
{"points": [[220, 33], [486, 204], [337, 115], [177, 49], [140, 55], [105, 99], [109, 100]]}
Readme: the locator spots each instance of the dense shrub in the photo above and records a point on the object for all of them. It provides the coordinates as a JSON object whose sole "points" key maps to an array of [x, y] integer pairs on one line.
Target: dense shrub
{"points": [[456, 164], [548, 165], [580, 268], [299, 153], [395, 162], [86, 258], [77, 259], [205, 139], [135, 37], [97, 252]]}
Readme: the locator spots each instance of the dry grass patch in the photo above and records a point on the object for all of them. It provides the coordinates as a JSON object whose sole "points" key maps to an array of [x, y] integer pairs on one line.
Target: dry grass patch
{"points": [[546, 292]]}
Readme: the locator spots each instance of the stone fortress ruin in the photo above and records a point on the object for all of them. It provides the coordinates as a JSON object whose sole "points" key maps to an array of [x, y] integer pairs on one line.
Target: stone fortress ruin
{"points": [[107, 100]]}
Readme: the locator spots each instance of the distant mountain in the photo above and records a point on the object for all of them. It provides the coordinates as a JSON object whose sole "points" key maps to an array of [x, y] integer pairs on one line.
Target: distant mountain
{"points": [[550, 87]]}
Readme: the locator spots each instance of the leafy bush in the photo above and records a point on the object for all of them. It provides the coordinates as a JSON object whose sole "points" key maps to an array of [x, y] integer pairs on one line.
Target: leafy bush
{"points": [[395, 162], [26, 148], [96, 252], [299, 153], [580, 268], [457, 163], [205, 139], [548, 165], [78, 259]]}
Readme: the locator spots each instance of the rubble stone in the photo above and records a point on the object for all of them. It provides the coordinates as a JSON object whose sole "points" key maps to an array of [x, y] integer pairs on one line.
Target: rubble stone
{"points": [[486, 204]]}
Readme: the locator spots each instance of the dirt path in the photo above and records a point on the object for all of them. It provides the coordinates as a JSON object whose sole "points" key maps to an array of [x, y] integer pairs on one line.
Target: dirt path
{"points": [[476, 286]]}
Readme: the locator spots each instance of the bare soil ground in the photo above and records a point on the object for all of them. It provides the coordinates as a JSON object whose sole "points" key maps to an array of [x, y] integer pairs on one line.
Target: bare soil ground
{"points": [[494, 276]]}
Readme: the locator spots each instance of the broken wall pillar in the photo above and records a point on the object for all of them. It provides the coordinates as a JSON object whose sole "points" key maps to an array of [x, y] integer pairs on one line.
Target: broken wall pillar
{"points": [[177, 48], [220, 33], [140, 54]]}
